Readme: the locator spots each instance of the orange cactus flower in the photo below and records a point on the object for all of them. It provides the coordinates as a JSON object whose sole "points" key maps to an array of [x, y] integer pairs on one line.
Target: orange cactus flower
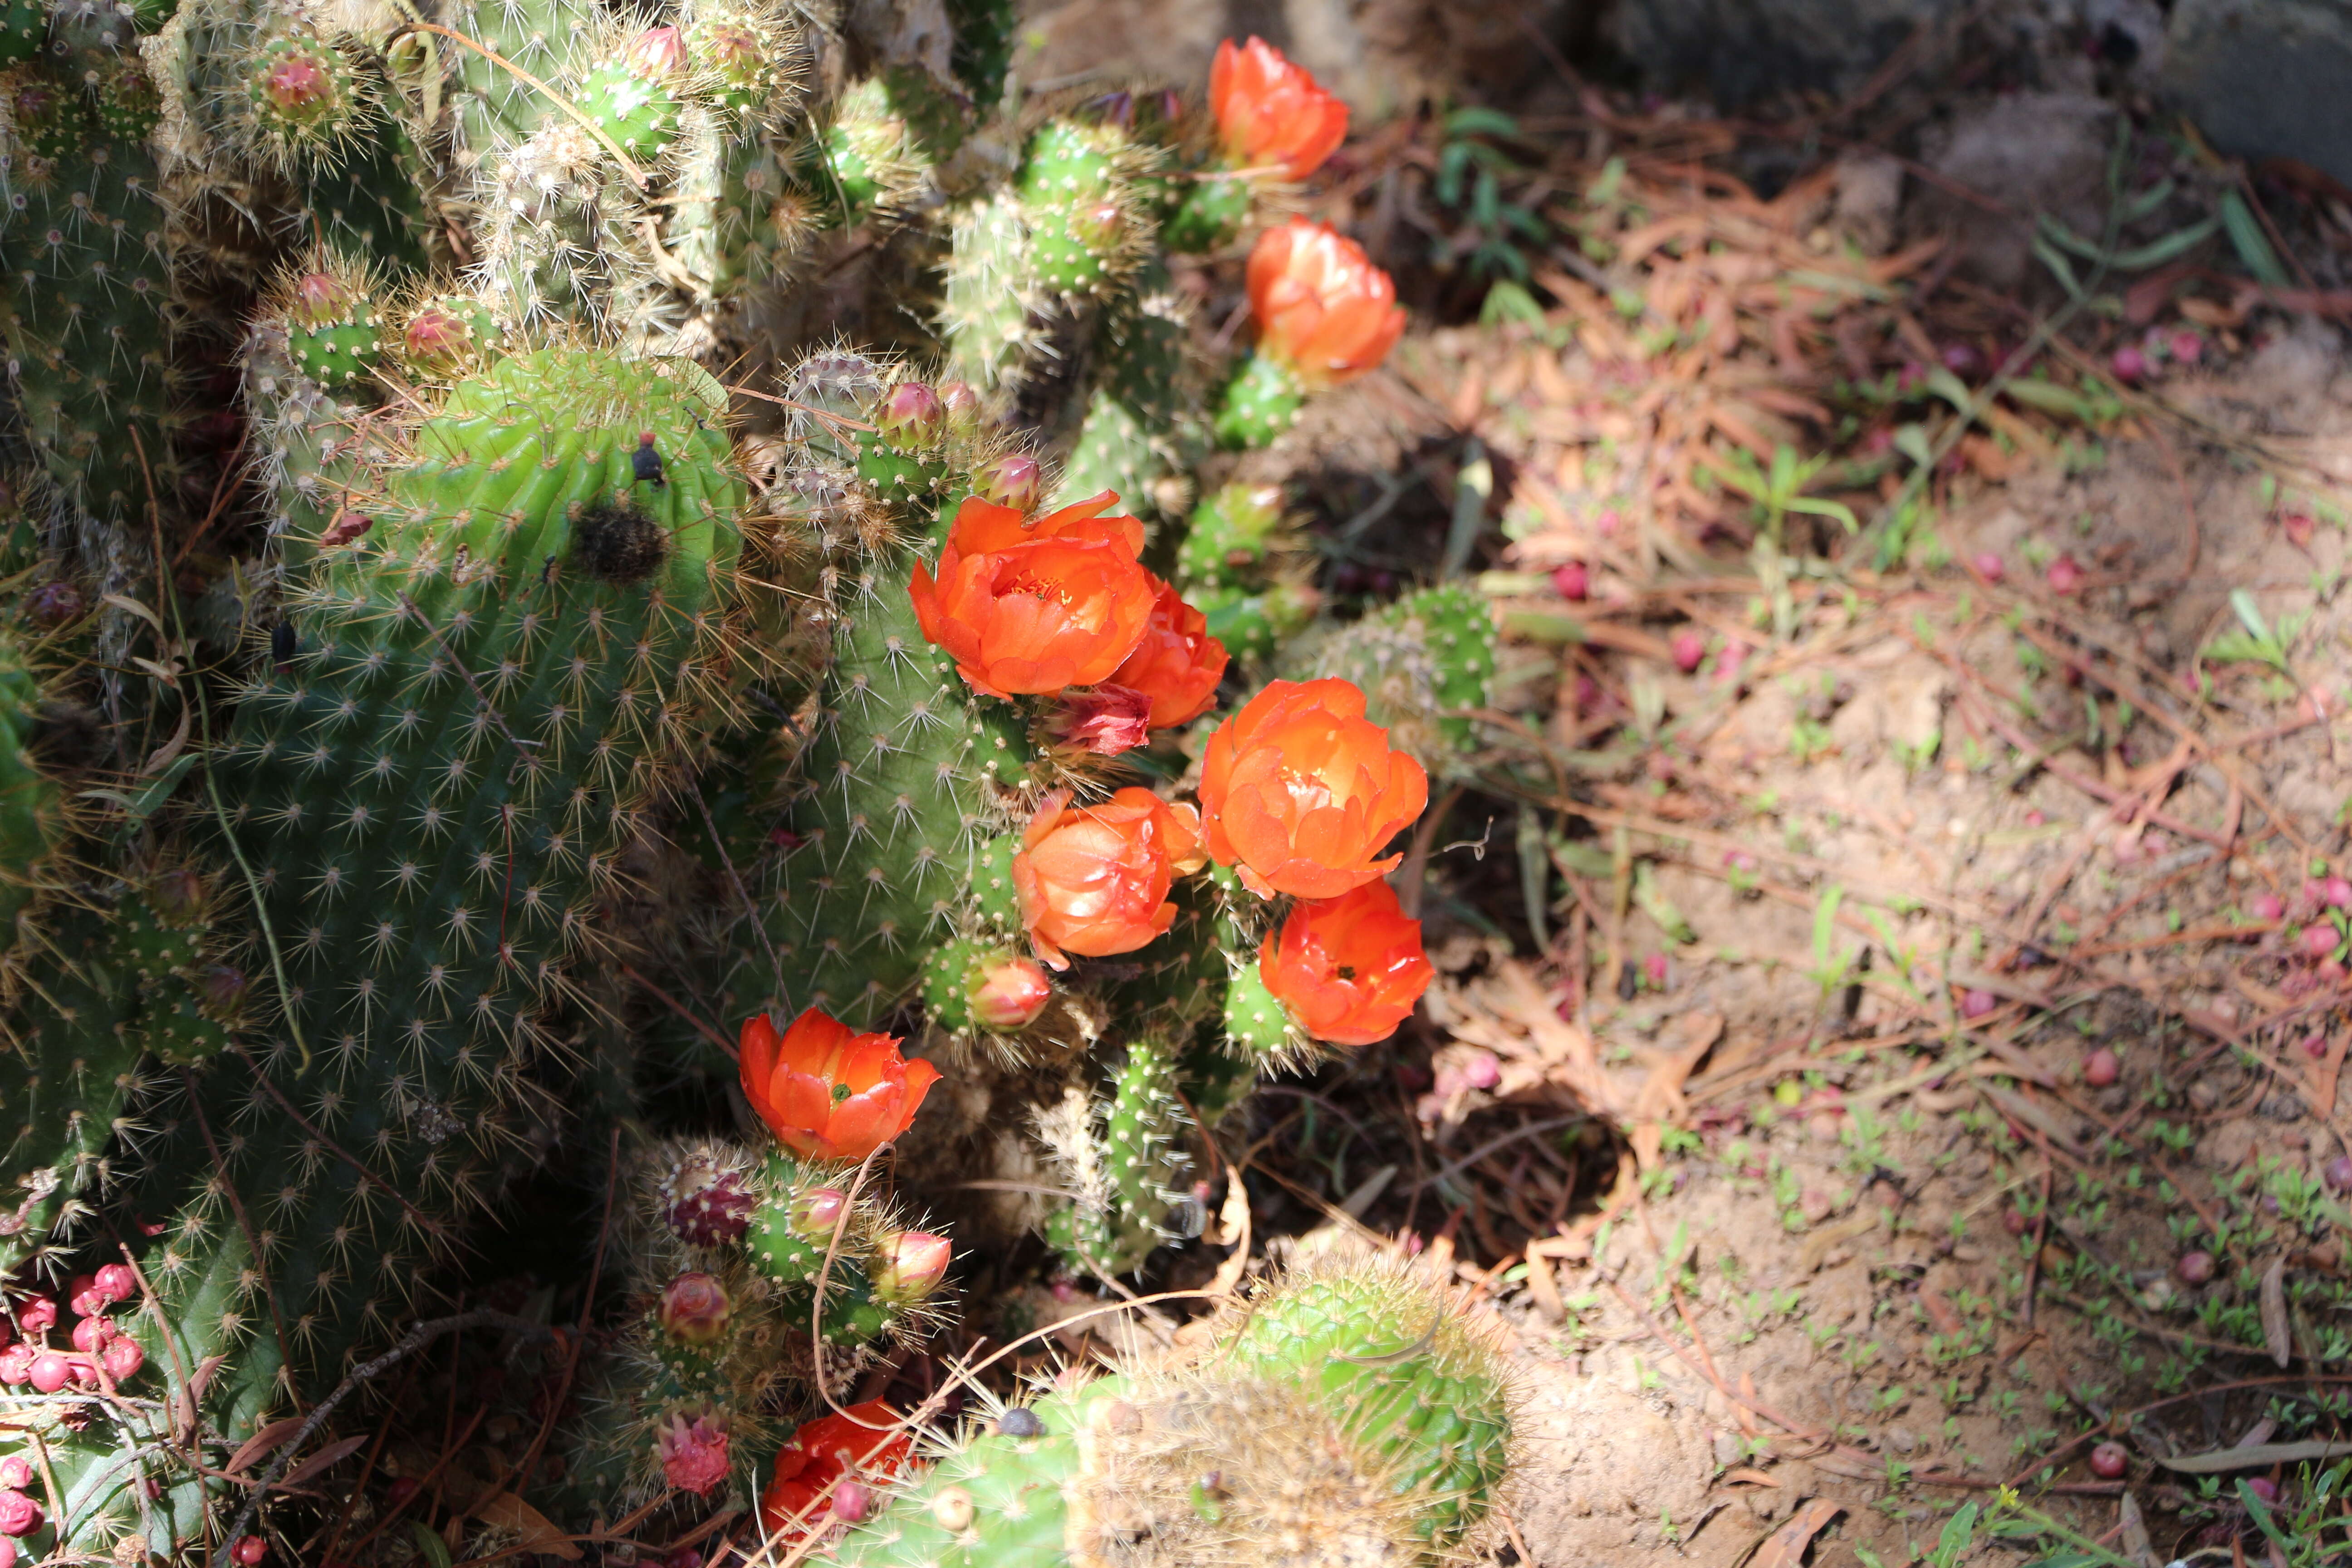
{"points": [[1094, 880], [826, 1091], [844, 1451], [1178, 663], [1347, 969], [1299, 791], [1322, 308], [1270, 112], [1034, 606]]}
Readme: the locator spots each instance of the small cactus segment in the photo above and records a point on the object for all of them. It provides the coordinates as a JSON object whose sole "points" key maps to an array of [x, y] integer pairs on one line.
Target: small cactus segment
{"points": [[1254, 627], [305, 98], [1078, 197], [629, 100], [24, 26], [1254, 1021], [333, 332], [989, 299], [1261, 403], [1238, 533], [870, 160], [1425, 663], [35, 817], [1122, 1161], [83, 296], [983, 53], [1256, 1455]]}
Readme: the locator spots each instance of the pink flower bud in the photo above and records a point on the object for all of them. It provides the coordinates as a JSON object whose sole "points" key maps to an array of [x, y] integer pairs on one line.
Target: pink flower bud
{"points": [[19, 1514], [960, 403], [318, 300], [297, 85], [1481, 1070], [909, 1266], [694, 1308], [1015, 481], [693, 1453], [2314, 1046], [2187, 347], [1009, 993], [913, 413], [90, 1335], [2101, 1068], [1653, 969], [2299, 526], [656, 54], [816, 1214], [1573, 580], [706, 1204], [1104, 720], [122, 1358], [1689, 648]]}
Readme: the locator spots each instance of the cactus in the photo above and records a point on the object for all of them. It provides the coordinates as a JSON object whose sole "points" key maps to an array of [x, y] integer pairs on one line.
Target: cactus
{"points": [[299, 986], [1426, 663], [1356, 1416]]}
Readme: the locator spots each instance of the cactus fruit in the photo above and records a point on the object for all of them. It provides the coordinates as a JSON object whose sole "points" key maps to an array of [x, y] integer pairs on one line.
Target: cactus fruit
{"points": [[1357, 1416]]}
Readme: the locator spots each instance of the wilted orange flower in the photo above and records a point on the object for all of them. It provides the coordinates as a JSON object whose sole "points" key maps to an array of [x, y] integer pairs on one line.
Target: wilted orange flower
{"points": [[826, 1091], [1347, 969], [845, 1448], [1299, 791], [1271, 112], [1322, 308], [1034, 606], [1094, 880], [1178, 663]]}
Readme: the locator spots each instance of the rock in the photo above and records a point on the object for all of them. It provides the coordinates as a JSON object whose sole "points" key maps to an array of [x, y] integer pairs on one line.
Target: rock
{"points": [[1727, 1450], [2229, 1145], [2264, 78], [1739, 50], [2039, 152], [1900, 1439]]}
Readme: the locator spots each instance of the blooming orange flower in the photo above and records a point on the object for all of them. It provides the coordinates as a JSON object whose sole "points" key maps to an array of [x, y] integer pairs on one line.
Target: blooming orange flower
{"points": [[1347, 969], [1094, 880], [1271, 112], [1178, 663], [1034, 606], [1322, 308], [1299, 791], [845, 1448], [826, 1091]]}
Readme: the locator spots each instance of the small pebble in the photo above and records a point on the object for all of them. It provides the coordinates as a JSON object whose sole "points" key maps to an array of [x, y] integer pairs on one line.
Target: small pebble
{"points": [[2194, 1268], [1019, 1420]]}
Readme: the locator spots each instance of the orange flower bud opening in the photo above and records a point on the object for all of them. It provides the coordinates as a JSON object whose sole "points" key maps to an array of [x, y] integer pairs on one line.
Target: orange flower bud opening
{"points": [[1349, 969], [833, 1451], [1094, 880], [1030, 606], [1299, 791], [826, 1091], [1178, 663], [1322, 308], [1270, 112]]}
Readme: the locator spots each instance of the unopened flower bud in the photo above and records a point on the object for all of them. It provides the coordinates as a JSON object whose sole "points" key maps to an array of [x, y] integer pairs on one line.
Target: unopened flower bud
{"points": [[704, 1204], [1009, 993], [851, 1501], [913, 413], [694, 1308], [178, 894], [1103, 720], [961, 404], [817, 1214], [656, 54], [909, 1266], [1015, 481], [318, 300], [223, 985]]}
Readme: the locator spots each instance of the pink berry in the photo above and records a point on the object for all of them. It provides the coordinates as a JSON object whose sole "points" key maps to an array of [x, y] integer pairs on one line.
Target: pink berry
{"points": [[1482, 1070], [2318, 940], [2263, 1488], [2266, 907], [122, 1358], [2129, 363], [2101, 1069], [19, 1515], [17, 1362], [2298, 527], [2109, 1461], [1976, 1003], [2194, 1268], [1689, 648], [2314, 1046], [1989, 566], [851, 1501], [2337, 1172], [402, 1488], [2064, 575], [90, 1334], [249, 1551], [8, 1548], [2335, 892], [1573, 580], [36, 1314], [51, 1372], [2015, 1223], [16, 1472]]}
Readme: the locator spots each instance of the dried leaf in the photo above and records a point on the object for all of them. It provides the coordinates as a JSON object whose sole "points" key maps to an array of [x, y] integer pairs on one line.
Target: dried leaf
{"points": [[262, 1442], [325, 1458], [1786, 1549], [2255, 1457], [507, 1511], [2277, 1334], [1753, 1478], [1545, 1288], [2133, 1527]]}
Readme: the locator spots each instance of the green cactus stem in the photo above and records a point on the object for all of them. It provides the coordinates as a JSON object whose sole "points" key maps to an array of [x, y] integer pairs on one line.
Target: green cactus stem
{"points": [[1261, 402]]}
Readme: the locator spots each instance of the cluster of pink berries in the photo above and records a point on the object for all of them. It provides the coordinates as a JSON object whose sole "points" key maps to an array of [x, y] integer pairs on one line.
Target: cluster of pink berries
{"points": [[19, 1514], [102, 1354]]}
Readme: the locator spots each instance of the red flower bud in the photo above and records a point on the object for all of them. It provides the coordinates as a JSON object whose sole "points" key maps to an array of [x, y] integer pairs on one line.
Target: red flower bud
{"points": [[1010, 993], [694, 1308], [910, 1266], [1104, 720]]}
